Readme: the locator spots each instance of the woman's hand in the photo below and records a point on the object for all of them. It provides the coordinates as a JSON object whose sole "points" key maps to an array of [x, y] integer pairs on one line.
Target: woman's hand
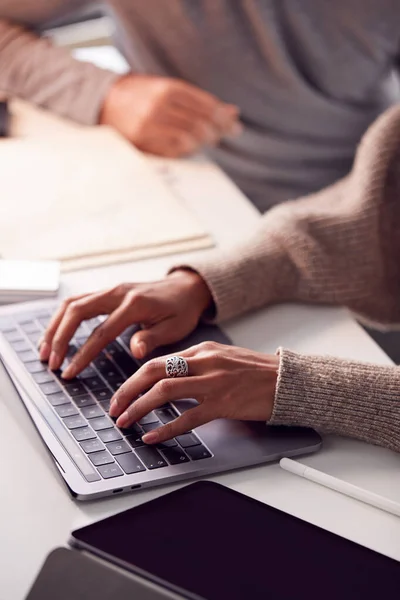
{"points": [[167, 310], [227, 382], [166, 116]]}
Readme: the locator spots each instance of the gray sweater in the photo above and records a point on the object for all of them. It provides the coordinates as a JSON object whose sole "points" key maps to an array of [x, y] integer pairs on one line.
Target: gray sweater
{"points": [[308, 75]]}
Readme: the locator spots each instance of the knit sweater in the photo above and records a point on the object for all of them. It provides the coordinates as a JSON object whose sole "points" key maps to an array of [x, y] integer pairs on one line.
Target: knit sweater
{"points": [[339, 246]]}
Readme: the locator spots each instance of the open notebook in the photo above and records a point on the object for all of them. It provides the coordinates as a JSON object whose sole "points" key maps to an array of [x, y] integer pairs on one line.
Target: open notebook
{"points": [[85, 196]]}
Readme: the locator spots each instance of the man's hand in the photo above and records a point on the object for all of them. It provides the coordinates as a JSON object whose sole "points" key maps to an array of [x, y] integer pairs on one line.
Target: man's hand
{"points": [[167, 117], [167, 310]]}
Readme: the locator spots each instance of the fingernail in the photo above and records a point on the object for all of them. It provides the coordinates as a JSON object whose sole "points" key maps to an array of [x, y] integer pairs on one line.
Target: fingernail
{"points": [[69, 372], [150, 438], [113, 408], [141, 349], [54, 361], [44, 351], [123, 420]]}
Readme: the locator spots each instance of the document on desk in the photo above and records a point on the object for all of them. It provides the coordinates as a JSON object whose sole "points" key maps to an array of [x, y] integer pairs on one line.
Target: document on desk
{"points": [[86, 197]]}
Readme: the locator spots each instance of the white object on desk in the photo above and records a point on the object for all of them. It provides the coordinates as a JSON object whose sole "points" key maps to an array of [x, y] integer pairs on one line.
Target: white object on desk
{"points": [[25, 280], [333, 483]]}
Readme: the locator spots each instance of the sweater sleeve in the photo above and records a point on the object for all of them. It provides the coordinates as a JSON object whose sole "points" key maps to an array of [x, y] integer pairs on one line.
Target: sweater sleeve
{"points": [[33, 69], [339, 246], [332, 395]]}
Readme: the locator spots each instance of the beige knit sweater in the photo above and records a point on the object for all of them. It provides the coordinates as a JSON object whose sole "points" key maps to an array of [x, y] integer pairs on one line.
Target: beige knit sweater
{"points": [[339, 246]]}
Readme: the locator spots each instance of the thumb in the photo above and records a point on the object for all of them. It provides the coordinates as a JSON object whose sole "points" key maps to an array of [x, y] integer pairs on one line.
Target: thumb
{"points": [[146, 340]]}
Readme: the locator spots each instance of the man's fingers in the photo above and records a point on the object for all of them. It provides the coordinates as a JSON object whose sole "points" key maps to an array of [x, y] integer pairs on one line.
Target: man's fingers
{"points": [[165, 390], [203, 129], [189, 420]]}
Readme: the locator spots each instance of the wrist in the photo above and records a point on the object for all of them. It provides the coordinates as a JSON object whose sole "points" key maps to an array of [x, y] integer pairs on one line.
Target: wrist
{"points": [[112, 100], [197, 287]]}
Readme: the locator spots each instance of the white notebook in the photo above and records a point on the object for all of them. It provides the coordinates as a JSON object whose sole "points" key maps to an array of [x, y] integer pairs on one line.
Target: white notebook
{"points": [[86, 197]]}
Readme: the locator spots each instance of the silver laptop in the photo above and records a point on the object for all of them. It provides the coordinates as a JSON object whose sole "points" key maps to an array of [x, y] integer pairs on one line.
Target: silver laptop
{"points": [[94, 457]]}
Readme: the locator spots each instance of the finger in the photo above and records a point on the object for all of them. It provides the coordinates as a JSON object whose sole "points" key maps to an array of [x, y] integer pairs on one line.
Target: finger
{"points": [[146, 340], [204, 130], [144, 379], [186, 422], [47, 338], [222, 115], [165, 390], [77, 311], [100, 337], [163, 140]]}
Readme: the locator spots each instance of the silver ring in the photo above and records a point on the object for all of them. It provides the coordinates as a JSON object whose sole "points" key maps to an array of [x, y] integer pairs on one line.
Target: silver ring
{"points": [[176, 366]]}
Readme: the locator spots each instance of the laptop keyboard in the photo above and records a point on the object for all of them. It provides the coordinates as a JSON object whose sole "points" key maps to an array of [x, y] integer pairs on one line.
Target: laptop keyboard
{"points": [[82, 404]]}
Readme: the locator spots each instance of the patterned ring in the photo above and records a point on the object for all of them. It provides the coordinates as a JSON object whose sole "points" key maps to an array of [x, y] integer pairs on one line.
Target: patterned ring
{"points": [[176, 366]]}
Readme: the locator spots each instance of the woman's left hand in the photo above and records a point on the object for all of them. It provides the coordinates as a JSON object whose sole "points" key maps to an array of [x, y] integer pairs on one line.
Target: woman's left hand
{"points": [[227, 382]]}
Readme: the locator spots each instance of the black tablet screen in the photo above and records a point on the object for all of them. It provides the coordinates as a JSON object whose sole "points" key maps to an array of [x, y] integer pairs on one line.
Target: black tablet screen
{"points": [[220, 544]]}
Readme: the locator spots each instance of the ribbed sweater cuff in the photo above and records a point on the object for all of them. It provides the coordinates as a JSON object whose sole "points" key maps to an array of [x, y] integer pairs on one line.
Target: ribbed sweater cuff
{"points": [[337, 396]]}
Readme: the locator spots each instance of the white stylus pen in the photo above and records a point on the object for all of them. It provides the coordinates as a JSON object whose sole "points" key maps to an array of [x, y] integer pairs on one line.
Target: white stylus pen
{"points": [[348, 489]]}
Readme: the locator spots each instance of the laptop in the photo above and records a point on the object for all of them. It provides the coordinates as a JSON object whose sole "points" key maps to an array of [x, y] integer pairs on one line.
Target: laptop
{"points": [[239, 548], [93, 456]]}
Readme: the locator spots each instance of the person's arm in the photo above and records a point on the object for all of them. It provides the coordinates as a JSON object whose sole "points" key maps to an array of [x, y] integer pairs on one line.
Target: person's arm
{"points": [[350, 398], [33, 69], [339, 246]]}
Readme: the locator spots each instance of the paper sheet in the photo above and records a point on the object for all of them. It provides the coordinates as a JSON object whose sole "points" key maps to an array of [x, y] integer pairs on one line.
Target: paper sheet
{"points": [[86, 197]]}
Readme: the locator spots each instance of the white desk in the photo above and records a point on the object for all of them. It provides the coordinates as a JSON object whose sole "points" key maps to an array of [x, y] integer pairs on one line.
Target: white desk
{"points": [[36, 511]]}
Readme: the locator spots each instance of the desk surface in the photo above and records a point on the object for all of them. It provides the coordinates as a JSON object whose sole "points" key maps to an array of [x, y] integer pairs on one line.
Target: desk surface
{"points": [[36, 511]]}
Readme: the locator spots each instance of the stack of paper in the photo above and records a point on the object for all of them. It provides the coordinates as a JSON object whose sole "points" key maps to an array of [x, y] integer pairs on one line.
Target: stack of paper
{"points": [[86, 197]]}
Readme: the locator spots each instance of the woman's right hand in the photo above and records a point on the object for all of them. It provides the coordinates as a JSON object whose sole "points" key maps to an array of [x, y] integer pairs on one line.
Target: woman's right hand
{"points": [[167, 310]]}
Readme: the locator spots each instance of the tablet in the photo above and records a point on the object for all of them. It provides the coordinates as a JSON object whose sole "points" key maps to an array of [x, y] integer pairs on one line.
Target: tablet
{"points": [[217, 543]]}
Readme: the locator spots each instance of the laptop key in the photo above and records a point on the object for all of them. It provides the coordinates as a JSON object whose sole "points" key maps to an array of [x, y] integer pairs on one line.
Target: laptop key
{"points": [[43, 377], [13, 336], [166, 415], [94, 383], [109, 471], [84, 400], [167, 444], [51, 387], [130, 463], [109, 435], [35, 337], [83, 433], [21, 346], [75, 422], [135, 441], [30, 327], [101, 423], [35, 367], [188, 439], [150, 426], [118, 447], [58, 399], [103, 394], [74, 389], [115, 385], [151, 457], [105, 405], [66, 410], [101, 458], [115, 350], [27, 356], [90, 412], [150, 418], [102, 362], [87, 373], [127, 364], [198, 452], [90, 446], [175, 456]]}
